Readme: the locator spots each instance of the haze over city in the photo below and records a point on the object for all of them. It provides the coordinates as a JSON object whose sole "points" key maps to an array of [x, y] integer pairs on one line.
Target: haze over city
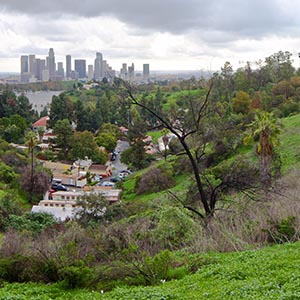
{"points": [[169, 35]]}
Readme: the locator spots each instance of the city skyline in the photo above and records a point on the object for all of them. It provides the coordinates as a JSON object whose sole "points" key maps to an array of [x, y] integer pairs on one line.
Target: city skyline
{"points": [[169, 35], [33, 69]]}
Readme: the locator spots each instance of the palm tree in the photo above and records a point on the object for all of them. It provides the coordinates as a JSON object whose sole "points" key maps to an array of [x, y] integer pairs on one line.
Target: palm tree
{"points": [[265, 130], [31, 142]]}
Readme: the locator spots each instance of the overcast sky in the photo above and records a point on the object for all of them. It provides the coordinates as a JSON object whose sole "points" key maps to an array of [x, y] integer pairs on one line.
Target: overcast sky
{"points": [[168, 34]]}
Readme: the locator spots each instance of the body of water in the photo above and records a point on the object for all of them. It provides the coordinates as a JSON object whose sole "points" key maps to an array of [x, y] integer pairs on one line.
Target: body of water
{"points": [[40, 99]]}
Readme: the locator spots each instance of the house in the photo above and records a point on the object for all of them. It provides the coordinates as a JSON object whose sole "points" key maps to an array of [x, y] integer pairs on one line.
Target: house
{"points": [[111, 195], [66, 174], [64, 204], [61, 211], [101, 170], [40, 124], [123, 129]]}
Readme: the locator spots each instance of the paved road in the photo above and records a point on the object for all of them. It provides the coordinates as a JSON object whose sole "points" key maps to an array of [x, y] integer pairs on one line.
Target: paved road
{"points": [[117, 165]]}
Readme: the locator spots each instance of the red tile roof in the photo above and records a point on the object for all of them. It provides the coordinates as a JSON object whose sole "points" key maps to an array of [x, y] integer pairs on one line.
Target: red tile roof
{"points": [[42, 122]]}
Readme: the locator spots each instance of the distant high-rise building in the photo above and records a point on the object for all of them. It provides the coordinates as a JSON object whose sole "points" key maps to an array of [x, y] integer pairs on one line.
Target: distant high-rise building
{"points": [[123, 71], [68, 66], [45, 75], [98, 72], [32, 65], [80, 67], [24, 64], [131, 71], [51, 64], [146, 71], [40, 67], [90, 72], [60, 73]]}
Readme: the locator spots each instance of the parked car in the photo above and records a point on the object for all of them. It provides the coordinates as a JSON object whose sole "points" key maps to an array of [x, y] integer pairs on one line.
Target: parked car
{"points": [[123, 175], [97, 178], [107, 183], [126, 171], [58, 187], [115, 179]]}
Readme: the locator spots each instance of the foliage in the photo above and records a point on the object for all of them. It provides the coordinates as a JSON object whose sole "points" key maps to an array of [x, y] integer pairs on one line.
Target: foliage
{"points": [[283, 231], [233, 276], [155, 180], [106, 140], [175, 227], [64, 136], [241, 103], [84, 145], [33, 222], [136, 157], [7, 173], [266, 129], [36, 183], [11, 105], [8, 207], [61, 108], [13, 128]]}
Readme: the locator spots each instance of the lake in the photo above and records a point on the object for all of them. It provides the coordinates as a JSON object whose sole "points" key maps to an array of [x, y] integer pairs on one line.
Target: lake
{"points": [[40, 99]]}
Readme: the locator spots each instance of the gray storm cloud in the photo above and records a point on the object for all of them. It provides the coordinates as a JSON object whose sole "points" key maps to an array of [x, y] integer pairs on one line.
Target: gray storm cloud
{"points": [[254, 18]]}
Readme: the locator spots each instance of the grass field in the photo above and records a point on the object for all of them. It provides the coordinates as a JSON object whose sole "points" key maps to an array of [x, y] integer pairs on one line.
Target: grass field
{"points": [[270, 273]]}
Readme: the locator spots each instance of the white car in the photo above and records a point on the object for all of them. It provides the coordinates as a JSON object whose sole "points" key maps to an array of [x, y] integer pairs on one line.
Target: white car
{"points": [[123, 175], [107, 183]]}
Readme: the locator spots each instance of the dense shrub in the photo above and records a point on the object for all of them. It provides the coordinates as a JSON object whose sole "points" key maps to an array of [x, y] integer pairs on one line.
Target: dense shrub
{"points": [[182, 165], [175, 228], [33, 222], [283, 230], [155, 180]]}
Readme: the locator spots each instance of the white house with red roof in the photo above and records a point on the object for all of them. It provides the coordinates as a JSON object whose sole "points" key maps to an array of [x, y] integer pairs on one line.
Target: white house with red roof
{"points": [[41, 123]]}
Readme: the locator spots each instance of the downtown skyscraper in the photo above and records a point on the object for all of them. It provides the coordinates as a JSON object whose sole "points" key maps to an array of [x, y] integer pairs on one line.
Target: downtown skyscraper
{"points": [[98, 72], [68, 66], [51, 64]]}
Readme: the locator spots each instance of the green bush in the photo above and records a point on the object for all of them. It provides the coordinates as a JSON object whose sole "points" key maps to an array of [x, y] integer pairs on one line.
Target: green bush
{"points": [[76, 276], [283, 231], [16, 268], [156, 179]]}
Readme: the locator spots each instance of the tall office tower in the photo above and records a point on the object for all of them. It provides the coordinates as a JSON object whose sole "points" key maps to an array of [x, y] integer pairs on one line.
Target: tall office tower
{"points": [[24, 64], [90, 72], [131, 71], [104, 68], [98, 73], [68, 66], [51, 64], [40, 67], [80, 67], [32, 65], [25, 76], [60, 73], [123, 71], [45, 75], [146, 72]]}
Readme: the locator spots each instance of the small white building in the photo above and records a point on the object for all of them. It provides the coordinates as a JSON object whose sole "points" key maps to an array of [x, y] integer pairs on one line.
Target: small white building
{"points": [[64, 204]]}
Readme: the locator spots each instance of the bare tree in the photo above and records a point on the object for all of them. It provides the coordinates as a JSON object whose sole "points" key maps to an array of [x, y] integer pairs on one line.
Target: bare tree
{"points": [[184, 123]]}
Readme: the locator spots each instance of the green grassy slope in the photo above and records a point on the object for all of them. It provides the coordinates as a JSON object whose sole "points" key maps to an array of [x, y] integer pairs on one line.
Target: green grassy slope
{"points": [[271, 273], [290, 143]]}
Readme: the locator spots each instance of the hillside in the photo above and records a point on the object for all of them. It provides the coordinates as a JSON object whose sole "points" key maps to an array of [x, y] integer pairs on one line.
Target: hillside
{"points": [[271, 273]]}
